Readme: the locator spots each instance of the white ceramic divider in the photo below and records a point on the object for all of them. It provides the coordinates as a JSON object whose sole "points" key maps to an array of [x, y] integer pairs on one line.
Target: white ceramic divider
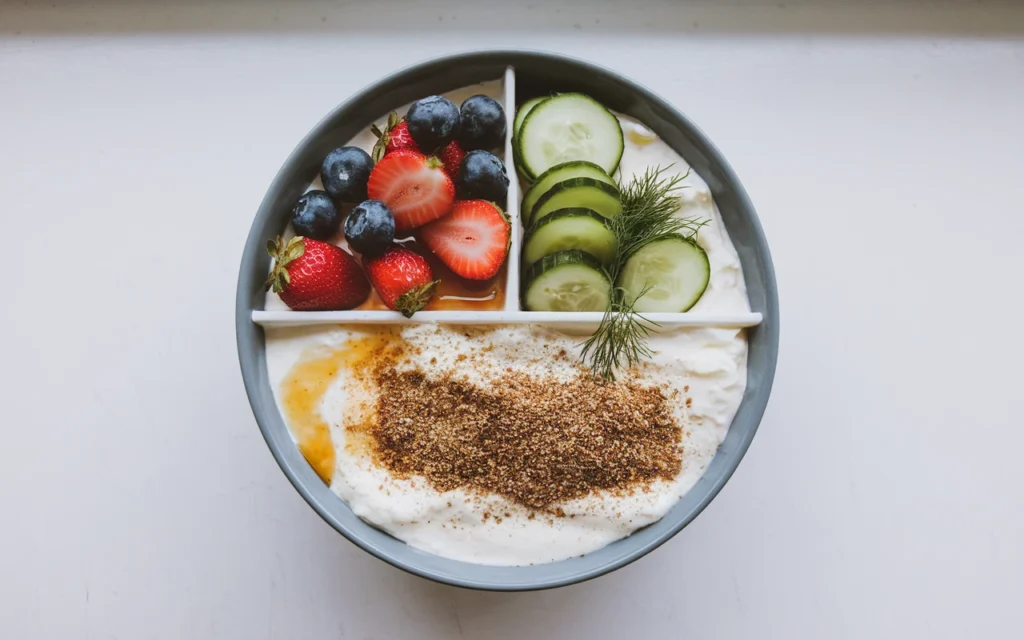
{"points": [[513, 312], [512, 263], [555, 318]]}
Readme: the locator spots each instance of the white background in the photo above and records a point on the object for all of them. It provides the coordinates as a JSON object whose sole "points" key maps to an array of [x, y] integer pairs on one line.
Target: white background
{"points": [[882, 143]]}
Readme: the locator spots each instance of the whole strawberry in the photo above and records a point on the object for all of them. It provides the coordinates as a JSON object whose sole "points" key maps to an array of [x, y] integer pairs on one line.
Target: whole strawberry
{"points": [[396, 136], [310, 275], [403, 279], [452, 156]]}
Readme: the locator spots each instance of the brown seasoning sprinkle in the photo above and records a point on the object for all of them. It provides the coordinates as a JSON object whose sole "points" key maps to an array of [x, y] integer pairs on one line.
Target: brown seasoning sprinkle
{"points": [[534, 441]]}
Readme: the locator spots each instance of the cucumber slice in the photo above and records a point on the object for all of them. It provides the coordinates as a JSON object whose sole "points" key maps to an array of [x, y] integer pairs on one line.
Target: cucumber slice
{"points": [[567, 281], [561, 173], [571, 229], [567, 127], [675, 271], [517, 124], [584, 193], [522, 111]]}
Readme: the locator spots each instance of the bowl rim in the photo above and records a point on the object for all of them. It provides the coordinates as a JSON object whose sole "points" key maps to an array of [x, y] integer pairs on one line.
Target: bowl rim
{"points": [[248, 361]]}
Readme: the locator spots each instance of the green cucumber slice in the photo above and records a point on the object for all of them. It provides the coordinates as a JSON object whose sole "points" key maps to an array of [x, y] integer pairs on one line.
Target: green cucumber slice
{"points": [[567, 281], [522, 111], [585, 193], [561, 173], [521, 114], [566, 229], [567, 127], [675, 271]]}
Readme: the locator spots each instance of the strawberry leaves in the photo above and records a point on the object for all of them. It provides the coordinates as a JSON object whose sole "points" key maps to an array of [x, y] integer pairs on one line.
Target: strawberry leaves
{"points": [[415, 299], [381, 146], [283, 254]]}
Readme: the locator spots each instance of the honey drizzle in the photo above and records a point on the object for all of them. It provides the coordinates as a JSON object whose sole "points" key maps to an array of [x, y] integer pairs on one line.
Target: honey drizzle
{"points": [[303, 389], [453, 292]]}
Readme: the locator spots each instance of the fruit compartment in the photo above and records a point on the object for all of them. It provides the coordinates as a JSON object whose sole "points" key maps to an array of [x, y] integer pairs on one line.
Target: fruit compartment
{"points": [[456, 296]]}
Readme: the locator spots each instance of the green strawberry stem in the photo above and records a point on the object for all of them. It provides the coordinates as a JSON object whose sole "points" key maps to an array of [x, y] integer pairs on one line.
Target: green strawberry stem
{"points": [[416, 298], [383, 136], [283, 254]]}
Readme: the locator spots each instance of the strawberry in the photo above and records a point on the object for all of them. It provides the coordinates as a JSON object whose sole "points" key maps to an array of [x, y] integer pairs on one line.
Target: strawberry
{"points": [[310, 275], [472, 240], [452, 156], [414, 186], [403, 279], [395, 137]]}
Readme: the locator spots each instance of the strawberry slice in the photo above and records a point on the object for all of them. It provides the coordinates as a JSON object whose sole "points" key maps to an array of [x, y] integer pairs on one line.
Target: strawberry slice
{"points": [[415, 187], [472, 240]]}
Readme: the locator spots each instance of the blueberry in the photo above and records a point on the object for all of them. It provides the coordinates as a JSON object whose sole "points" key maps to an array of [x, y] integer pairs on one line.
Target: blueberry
{"points": [[370, 228], [482, 123], [482, 176], [433, 123], [315, 215], [345, 173]]}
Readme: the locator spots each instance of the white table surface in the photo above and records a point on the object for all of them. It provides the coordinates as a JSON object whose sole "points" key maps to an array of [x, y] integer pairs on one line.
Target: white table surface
{"points": [[882, 142]]}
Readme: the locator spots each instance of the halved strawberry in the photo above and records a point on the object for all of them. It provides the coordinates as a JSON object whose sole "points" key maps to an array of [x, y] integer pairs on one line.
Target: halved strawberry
{"points": [[415, 187], [394, 137], [472, 240], [452, 156]]}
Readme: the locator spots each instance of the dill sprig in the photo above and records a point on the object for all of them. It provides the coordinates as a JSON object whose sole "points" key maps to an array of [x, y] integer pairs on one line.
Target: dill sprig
{"points": [[620, 338], [649, 206]]}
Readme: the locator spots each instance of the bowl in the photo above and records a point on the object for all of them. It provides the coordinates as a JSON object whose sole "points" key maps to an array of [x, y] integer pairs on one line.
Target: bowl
{"points": [[535, 72]]}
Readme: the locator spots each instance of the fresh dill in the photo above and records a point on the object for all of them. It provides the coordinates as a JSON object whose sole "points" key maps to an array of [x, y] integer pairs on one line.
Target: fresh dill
{"points": [[621, 338], [649, 206]]}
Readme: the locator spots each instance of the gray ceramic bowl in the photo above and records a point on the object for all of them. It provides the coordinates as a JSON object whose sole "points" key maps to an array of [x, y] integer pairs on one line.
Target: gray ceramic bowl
{"points": [[535, 73]]}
